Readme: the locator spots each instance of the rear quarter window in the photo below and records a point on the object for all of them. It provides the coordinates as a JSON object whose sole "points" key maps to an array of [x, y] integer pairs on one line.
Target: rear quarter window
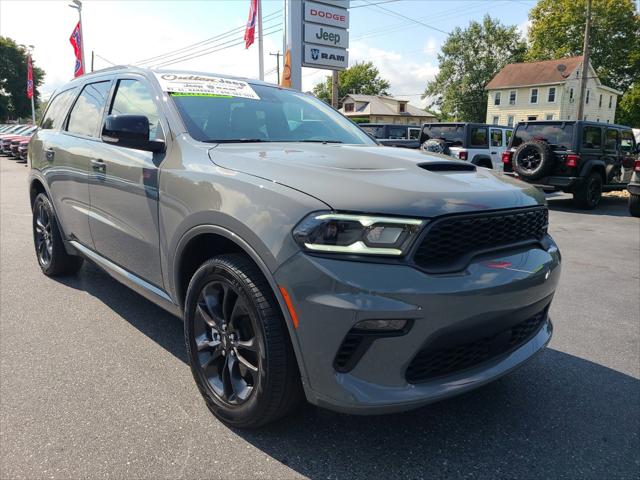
{"points": [[479, 137], [592, 137], [627, 142], [57, 110]]}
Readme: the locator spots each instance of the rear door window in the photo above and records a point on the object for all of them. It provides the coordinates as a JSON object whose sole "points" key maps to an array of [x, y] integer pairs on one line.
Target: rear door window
{"points": [[479, 137], [86, 115], [133, 97], [452, 134], [414, 133], [496, 137], [397, 132], [57, 110], [627, 141], [592, 137], [611, 139]]}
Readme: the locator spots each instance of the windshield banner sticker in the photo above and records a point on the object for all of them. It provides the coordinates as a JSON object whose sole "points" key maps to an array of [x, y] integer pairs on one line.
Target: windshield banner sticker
{"points": [[196, 85]]}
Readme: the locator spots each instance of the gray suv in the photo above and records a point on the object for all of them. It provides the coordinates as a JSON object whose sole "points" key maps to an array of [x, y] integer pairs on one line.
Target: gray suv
{"points": [[304, 259]]}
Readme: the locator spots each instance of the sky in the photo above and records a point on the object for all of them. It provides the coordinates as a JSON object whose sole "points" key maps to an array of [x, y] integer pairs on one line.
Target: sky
{"points": [[130, 31]]}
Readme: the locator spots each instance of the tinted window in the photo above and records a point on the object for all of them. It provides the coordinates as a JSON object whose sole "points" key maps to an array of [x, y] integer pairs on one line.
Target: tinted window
{"points": [[592, 137], [277, 116], [397, 132], [86, 114], [377, 132], [134, 98], [496, 137], [57, 110], [626, 141], [414, 133], [508, 134], [479, 137], [611, 139], [558, 135], [452, 134]]}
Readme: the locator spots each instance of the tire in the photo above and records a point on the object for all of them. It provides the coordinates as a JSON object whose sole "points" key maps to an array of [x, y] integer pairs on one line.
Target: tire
{"points": [[589, 193], [634, 205], [533, 160], [50, 252], [436, 145], [233, 321]]}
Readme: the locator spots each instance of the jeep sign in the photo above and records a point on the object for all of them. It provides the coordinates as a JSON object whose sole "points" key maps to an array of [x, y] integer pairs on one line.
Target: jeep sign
{"points": [[319, 56], [326, 15], [323, 35]]}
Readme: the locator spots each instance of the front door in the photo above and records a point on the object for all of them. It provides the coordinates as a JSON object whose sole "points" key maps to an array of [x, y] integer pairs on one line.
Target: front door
{"points": [[124, 189]]}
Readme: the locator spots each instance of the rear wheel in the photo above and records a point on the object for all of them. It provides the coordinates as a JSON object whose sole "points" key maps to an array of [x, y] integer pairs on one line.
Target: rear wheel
{"points": [[589, 193], [634, 205], [238, 345], [52, 256]]}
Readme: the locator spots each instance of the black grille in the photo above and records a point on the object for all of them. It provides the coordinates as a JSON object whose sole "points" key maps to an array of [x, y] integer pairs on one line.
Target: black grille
{"points": [[346, 356], [450, 242], [432, 362]]}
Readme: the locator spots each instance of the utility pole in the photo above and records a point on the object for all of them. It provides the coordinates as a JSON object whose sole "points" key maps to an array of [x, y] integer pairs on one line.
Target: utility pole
{"points": [[585, 64], [334, 89], [277, 55]]}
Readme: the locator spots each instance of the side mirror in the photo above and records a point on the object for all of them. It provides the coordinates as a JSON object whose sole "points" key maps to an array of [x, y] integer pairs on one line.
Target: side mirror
{"points": [[131, 131]]}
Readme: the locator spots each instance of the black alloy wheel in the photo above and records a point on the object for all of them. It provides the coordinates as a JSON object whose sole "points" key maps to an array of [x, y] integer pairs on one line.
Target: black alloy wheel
{"points": [[588, 195], [227, 342], [43, 236], [238, 345], [52, 256]]}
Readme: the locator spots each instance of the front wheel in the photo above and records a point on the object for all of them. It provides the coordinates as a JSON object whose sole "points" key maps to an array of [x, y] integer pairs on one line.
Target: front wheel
{"points": [[52, 256], [588, 194], [237, 343], [634, 205]]}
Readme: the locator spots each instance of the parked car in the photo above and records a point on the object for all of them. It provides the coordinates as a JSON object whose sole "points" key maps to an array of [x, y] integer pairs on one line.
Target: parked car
{"points": [[23, 150], [301, 255], [14, 129], [478, 143], [392, 135], [7, 140], [634, 190], [579, 157]]}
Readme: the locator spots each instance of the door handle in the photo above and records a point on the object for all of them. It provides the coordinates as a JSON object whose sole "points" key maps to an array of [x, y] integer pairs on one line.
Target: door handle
{"points": [[98, 165], [494, 153], [49, 153]]}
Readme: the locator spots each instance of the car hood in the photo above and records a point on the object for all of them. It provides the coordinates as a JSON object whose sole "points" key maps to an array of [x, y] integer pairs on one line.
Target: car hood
{"points": [[378, 179]]}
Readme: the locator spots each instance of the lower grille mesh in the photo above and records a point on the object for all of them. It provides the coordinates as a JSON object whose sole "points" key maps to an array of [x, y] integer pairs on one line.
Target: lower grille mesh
{"points": [[432, 362]]}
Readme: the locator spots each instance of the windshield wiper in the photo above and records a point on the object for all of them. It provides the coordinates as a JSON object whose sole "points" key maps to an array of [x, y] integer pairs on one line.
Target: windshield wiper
{"points": [[238, 140], [320, 141]]}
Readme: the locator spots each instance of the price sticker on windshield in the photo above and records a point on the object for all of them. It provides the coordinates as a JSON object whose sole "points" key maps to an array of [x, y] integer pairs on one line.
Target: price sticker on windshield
{"points": [[205, 86]]}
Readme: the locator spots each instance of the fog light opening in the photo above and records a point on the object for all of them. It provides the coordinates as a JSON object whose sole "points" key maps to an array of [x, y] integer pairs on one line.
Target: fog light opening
{"points": [[381, 325]]}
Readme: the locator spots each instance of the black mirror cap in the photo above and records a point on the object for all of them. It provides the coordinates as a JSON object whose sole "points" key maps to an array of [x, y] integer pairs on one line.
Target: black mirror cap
{"points": [[131, 131]]}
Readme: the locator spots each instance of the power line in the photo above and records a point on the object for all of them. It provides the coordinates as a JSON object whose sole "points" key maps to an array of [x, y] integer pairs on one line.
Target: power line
{"points": [[164, 56], [399, 15]]}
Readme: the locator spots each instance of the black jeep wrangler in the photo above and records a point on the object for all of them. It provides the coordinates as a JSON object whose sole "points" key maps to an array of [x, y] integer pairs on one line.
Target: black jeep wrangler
{"points": [[579, 157]]}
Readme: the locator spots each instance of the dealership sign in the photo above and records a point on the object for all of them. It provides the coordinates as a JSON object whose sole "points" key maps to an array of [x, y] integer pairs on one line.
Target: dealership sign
{"points": [[325, 26]]}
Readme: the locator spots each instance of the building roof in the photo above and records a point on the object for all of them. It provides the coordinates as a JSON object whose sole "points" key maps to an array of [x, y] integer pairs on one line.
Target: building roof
{"points": [[534, 73], [375, 105]]}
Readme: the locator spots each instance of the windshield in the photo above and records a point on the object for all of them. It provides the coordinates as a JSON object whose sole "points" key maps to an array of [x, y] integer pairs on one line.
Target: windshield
{"points": [[452, 134], [557, 135], [277, 116]]}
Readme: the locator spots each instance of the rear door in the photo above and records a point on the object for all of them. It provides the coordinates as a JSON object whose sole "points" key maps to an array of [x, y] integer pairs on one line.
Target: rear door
{"points": [[612, 155], [497, 146], [591, 148], [124, 188]]}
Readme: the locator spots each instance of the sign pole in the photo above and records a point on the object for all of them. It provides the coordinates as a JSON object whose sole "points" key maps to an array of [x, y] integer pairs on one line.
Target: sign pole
{"points": [[334, 89], [294, 41], [260, 46]]}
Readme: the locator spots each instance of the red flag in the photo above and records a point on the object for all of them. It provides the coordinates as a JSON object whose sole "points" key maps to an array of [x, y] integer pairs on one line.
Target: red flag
{"points": [[29, 78], [250, 31], [76, 42]]}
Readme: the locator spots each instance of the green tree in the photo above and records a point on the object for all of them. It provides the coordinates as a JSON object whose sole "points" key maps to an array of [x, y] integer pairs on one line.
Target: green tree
{"points": [[628, 111], [13, 80], [557, 30], [469, 59], [363, 78]]}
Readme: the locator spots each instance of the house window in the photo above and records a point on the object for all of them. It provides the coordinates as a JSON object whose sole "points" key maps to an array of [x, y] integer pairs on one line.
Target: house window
{"points": [[532, 118], [402, 107], [534, 96], [496, 120], [552, 95], [348, 107], [512, 97], [549, 116], [496, 99], [510, 120], [600, 102], [610, 100], [571, 95], [587, 100]]}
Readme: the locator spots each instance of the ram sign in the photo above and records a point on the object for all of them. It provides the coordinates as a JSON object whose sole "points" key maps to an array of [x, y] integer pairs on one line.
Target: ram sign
{"points": [[319, 56]]}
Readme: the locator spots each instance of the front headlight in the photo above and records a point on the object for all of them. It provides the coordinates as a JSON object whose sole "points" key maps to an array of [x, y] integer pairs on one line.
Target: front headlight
{"points": [[357, 234]]}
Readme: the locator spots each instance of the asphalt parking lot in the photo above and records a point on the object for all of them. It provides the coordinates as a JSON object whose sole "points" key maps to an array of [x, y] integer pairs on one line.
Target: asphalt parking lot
{"points": [[94, 382]]}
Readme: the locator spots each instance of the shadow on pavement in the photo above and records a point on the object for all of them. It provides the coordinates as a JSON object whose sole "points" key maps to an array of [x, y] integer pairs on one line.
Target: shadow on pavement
{"points": [[559, 416], [612, 206]]}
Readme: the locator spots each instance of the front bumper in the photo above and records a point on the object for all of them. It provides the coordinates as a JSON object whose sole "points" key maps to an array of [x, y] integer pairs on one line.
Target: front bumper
{"points": [[331, 296]]}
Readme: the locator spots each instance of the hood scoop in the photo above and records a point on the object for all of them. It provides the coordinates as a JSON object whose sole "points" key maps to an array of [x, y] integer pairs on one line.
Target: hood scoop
{"points": [[448, 167]]}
